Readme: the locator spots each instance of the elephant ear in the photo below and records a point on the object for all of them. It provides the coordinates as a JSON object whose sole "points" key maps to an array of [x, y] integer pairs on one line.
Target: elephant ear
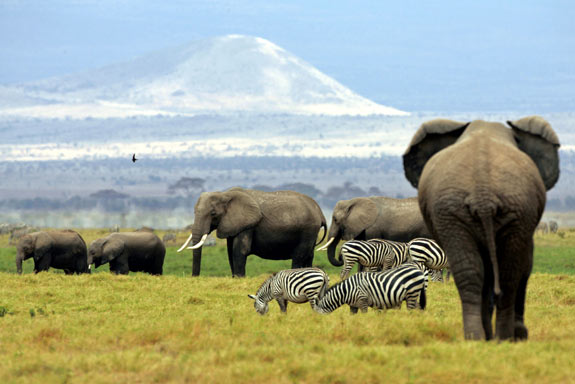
{"points": [[112, 249], [536, 138], [242, 212], [362, 214], [430, 138], [42, 243]]}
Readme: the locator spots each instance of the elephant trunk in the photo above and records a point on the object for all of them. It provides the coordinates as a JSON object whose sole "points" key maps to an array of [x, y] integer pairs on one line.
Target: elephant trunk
{"points": [[197, 260], [335, 234]]}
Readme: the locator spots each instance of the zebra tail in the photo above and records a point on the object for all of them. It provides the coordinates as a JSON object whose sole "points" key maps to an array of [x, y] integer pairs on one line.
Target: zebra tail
{"points": [[422, 299]]}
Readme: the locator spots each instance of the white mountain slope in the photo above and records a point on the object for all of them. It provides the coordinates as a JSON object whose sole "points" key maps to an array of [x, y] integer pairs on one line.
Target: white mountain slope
{"points": [[218, 75]]}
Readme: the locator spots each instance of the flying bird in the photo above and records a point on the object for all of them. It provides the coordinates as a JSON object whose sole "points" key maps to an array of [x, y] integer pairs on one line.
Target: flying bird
{"points": [[134, 158]]}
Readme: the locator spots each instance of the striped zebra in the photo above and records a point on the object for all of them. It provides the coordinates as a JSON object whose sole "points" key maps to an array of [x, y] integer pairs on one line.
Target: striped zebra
{"points": [[430, 254], [296, 285], [373, 254], [381, 290], [436, 275]]}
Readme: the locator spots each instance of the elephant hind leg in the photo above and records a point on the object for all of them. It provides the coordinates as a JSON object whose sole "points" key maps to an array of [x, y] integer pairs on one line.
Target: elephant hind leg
{"points": [[515, 252], [520, 330], [466, 263]]}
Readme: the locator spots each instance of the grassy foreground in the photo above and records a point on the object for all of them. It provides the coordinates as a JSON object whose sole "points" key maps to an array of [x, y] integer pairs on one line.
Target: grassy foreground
{"points": [[142, 329], [139, 329]]}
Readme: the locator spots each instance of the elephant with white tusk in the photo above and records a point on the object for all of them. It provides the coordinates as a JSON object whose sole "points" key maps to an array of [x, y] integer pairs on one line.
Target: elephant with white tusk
{"points": [[272, 225], [482, 191], [375, 217]]}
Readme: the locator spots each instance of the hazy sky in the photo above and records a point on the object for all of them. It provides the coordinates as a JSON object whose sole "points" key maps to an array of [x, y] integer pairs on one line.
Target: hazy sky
{"points": [[413, 55]]}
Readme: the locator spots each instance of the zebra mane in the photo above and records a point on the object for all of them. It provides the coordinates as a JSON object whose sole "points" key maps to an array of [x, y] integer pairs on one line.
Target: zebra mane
{"points": [[266, 281]]}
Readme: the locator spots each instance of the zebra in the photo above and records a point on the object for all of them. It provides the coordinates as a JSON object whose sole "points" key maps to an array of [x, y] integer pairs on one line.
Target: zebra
{"points": [[373, 254], [381, 290], [429, 253], [296, 285]]}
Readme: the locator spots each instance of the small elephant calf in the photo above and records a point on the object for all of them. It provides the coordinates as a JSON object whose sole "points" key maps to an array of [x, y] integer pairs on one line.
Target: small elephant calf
{"points": [[296, 285], [129, 252]]}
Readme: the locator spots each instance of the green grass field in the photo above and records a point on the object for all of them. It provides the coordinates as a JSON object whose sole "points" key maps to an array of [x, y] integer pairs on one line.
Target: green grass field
{"points": [[102, 328]]}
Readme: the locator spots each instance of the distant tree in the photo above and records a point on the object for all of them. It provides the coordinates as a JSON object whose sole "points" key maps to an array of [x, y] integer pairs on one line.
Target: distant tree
{"points": [[345, 192], [374, 191], [306, 189], [109, 194], [111, 200], [187, 186]]}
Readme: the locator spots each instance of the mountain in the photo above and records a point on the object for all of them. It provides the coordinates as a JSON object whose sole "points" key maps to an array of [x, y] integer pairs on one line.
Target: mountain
{"points": [[219, 75]]}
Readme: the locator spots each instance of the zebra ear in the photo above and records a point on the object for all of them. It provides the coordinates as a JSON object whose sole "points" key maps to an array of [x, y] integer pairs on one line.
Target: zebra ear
{"points": [[252, 297]]}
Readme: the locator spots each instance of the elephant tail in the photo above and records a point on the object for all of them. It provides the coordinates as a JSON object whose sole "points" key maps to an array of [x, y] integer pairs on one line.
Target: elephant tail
{"points": [[487, 222], [324, 226]]}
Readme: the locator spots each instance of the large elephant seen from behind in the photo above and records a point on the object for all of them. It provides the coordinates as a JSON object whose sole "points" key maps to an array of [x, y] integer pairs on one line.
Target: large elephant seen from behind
{"points": [[272, 225], [482, 190], [375, 217], [63, 249], [129, 252]]}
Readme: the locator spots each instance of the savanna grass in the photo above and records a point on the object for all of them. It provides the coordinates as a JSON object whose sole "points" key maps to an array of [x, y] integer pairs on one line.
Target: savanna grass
{"points": [[102, 328]]}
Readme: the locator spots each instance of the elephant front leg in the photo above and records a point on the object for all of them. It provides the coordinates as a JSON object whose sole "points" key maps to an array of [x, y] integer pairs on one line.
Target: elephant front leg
{"points": [[42, 263], [230, 246], [241, 249]]}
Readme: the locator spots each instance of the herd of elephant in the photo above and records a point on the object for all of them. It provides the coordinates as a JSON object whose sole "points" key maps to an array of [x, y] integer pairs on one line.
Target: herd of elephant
{"points": [[66, 250], [481, 194]]}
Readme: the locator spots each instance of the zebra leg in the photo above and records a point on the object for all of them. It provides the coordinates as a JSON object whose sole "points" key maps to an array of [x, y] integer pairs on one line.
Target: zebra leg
{"points": [[283, 304], [353, 310], [347, 266]]}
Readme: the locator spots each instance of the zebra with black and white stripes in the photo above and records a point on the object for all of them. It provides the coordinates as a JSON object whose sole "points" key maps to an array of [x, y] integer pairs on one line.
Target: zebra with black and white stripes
{"points": [[373, 254], [428, 253], [296, 285], [381, 290]]}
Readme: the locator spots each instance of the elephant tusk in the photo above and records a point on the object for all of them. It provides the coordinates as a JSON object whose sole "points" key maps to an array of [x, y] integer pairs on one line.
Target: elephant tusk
{"points": [[202, 240], [185, 243], [322, 248]]}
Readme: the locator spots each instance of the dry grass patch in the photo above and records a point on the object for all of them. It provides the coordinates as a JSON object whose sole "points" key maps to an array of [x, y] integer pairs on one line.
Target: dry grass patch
{"points": [[140, 328]]}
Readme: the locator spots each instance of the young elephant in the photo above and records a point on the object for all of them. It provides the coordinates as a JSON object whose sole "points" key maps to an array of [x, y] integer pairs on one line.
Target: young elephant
{"points": [[57, 249], [129, 251], [295, 285]]}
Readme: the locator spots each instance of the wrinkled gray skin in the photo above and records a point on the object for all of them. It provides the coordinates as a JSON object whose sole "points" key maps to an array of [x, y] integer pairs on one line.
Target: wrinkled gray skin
{"points": [[482, 191], [272, 225], [57, 249], [375, 217], [129, 252]]}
